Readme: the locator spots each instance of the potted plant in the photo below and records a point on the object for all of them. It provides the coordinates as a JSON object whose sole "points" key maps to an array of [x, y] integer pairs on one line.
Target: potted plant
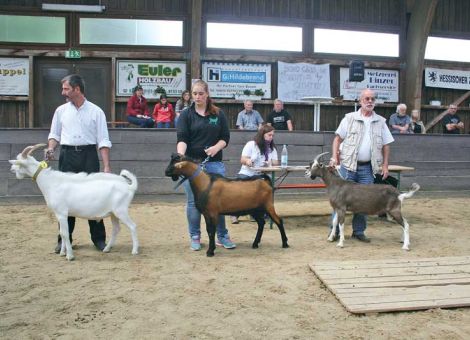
{"points": [[250, 95]]}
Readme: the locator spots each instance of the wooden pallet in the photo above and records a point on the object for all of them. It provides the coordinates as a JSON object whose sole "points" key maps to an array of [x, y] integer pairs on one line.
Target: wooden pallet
{"points": [[397, 284]]}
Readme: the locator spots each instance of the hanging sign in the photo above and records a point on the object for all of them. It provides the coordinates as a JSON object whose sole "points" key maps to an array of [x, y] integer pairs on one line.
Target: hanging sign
{"points": [[233, 80], [14, 76], [299, 80], [447, 79], [383, 82], [155, 77]]}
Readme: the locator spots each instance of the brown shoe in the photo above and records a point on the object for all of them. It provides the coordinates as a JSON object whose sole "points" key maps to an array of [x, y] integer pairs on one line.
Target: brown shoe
{"points": [[361, 237]]}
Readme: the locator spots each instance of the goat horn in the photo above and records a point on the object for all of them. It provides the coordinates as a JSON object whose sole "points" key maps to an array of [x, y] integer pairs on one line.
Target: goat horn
{"points": [[319, 156], [29, 149]]}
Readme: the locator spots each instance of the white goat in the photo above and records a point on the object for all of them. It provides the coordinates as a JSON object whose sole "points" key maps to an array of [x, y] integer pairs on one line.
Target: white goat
{"points": [[92, 196], [360, 198]]}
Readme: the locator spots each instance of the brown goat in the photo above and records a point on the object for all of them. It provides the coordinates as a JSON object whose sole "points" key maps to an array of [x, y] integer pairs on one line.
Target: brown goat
{"points": [[216, 195], [368, 199]]}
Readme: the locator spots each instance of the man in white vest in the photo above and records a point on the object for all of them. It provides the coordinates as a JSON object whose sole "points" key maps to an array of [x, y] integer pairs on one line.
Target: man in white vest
{"points": [[361, 148]]}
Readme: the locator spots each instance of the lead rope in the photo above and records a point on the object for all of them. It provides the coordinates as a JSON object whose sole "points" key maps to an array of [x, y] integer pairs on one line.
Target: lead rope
{"points": [[201, 167]]}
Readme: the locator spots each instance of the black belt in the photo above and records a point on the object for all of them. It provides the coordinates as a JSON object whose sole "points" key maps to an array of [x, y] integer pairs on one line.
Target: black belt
{"points": [[363, 163], [78, 147]]}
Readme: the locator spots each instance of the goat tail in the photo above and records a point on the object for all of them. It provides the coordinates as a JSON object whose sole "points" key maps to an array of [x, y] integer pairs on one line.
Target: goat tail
{"points": [[130, 178], [414, 187]]}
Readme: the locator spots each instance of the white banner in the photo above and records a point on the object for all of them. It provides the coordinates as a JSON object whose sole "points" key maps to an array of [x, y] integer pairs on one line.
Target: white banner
{"points": [[230, 80], [448, 79], [295, 81], [383, 82], [152, 76], [14, 76]]}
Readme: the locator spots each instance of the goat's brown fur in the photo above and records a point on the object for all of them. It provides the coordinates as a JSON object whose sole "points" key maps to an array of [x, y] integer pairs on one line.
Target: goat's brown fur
{"points": [[216, 195], [368, 199]]}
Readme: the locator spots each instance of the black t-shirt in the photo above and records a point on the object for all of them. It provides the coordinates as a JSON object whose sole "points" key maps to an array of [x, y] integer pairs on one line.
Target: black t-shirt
{"points": [[451, 119], [199, 132], [279, 119], [417, 128]]}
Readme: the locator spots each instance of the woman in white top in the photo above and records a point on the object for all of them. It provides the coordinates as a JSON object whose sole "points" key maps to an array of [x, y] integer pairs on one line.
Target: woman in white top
{"points": [[261, 151]]}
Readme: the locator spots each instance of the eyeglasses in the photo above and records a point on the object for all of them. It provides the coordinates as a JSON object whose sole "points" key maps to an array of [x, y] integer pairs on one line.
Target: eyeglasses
{"points": [[372, 99]]}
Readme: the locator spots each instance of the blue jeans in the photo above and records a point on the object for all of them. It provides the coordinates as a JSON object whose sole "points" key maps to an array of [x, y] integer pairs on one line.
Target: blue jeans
{"points": [[193, 215], [142, 122], [163, 125], [363, 175]]}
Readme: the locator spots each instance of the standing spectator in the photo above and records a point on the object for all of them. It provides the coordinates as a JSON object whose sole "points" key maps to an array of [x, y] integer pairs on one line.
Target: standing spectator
{"points": [[416, 125], [163, 113], [137, 109], [279, 118], [452, 122], [202, 133], [249, 119], [361, 147], [80, 128], [182, 103], [400, 122], [261, 151]]}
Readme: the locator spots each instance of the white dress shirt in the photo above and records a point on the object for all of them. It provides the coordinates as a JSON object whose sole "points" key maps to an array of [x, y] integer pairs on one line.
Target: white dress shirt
{"points": [[83, 126]]}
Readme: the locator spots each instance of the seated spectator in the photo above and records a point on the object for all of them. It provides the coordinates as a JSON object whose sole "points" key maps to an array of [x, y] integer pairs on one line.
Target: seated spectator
{"points": [[184, 102], [261, 151], [163, 113], [452, 122], [399, 122], [137, 110], [416, 125], [279, 118], [249, 119]]}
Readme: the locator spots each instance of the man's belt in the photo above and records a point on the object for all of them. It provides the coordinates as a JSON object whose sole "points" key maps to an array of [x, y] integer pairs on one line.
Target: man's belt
{"points": [[78, 147], [363, 163]]}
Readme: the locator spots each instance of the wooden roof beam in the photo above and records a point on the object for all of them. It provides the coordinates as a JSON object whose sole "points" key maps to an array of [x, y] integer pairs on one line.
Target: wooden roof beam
{"points": [[419, 27]]}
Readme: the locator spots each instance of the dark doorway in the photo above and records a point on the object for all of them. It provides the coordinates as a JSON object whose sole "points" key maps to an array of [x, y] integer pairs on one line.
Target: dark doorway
{"points": [[48, 73]]}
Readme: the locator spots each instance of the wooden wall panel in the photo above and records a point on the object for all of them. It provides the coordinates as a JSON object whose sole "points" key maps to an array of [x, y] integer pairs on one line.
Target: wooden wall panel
{"points": [[14, 114], [451, 17], [376, 12]]}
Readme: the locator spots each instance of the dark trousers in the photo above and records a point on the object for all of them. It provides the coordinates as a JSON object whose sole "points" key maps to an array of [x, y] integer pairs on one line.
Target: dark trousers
{"points": [[82, 159]]}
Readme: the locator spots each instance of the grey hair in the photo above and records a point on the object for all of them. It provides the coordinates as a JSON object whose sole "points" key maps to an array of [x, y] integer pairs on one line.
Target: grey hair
{"points": [[401, 106]]}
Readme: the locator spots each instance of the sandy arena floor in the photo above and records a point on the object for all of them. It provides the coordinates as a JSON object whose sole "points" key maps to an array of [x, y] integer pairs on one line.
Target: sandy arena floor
{"points": [[171, 292]]}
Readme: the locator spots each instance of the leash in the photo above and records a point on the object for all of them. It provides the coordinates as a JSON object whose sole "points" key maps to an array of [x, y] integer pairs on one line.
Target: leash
{"points": [[200, 168]]}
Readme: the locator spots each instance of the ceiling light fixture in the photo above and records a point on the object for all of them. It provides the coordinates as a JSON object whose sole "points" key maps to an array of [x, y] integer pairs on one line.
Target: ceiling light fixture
{"points": [[73, 8]]}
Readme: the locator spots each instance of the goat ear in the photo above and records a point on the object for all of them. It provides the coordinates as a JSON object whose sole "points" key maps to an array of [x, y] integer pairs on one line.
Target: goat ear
{"points": [[12, 161]]}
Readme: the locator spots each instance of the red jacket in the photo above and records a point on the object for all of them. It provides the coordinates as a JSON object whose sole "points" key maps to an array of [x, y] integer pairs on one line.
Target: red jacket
{"points": [[163, 114], [137, 107]]}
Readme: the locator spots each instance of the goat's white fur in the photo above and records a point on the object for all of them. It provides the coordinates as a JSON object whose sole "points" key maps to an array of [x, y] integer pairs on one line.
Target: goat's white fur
{"points": [[92, 196]]}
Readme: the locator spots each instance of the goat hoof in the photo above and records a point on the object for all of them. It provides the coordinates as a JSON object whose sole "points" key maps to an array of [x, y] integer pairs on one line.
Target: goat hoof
{"points": [[135, 252], [340, 245], [330, 239], [210, 253], [106, 249], [254, 246], [405, 248], [70, 258], [285, 246], [62, 253]]}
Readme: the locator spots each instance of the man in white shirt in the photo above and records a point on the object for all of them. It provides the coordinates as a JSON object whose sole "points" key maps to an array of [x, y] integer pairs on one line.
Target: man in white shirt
{"points": [[361, 147], [80, 128]]}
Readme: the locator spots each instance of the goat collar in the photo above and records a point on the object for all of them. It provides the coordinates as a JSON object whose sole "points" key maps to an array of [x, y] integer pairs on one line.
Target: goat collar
{"points": [[42, 165], [193, 176]]}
